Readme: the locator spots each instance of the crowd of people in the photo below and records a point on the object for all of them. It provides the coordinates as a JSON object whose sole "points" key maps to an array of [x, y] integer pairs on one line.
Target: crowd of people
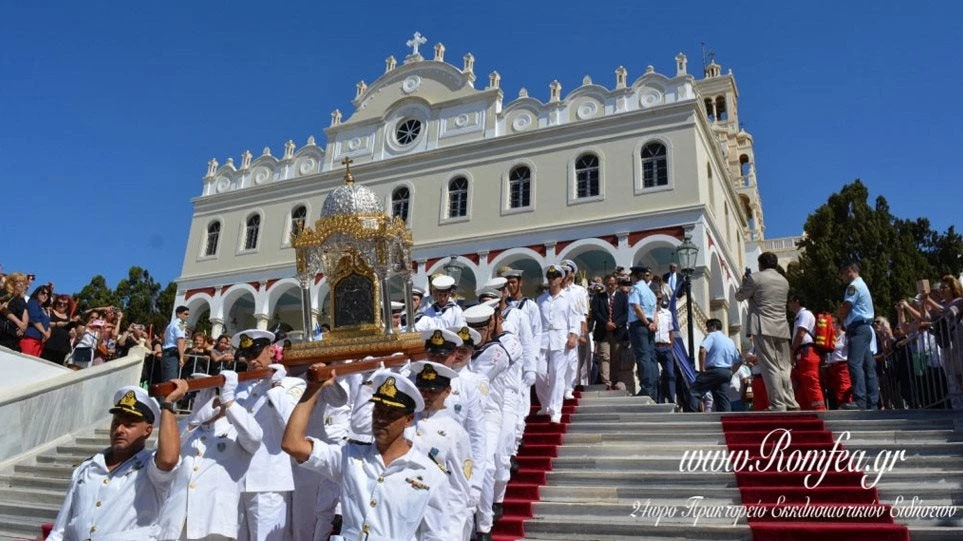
{"points": [[425, 449], [48, 325], [869, 365]]}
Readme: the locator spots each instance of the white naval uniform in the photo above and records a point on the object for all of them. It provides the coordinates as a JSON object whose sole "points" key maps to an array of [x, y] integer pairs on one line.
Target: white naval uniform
{"points": [[266, 495], [441, 317], [405, 500], [530, 309], [120, 505], [442, 438], [494, 361], [559, 320], [214, 457], [315, 500], [576, 373], [470, 396], [516, 322]]}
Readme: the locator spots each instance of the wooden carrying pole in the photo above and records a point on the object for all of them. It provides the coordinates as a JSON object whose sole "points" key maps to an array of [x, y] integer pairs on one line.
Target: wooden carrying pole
{"points": [[322, 373], [315, 373]]}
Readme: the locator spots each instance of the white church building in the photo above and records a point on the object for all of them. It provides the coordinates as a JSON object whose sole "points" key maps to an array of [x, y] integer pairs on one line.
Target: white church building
{"points": [[608, 174]]}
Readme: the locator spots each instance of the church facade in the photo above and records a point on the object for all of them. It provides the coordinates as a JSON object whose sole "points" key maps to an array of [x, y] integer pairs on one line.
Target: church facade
{"points": [[608, 175]]}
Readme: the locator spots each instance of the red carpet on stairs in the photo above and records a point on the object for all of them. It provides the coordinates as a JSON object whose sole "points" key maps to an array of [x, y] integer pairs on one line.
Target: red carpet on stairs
{"points": [[539, 446], [837, 508]]}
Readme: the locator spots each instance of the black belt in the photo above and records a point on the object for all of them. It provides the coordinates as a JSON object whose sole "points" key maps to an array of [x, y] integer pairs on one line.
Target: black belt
{"points": [[663, 344], [859, 323], [169, 350]]}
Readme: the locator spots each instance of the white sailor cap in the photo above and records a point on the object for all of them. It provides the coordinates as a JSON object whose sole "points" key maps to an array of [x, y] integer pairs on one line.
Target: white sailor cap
{"points": [[134, 400], [488, 294], [396, 391], [478, 315], [397, 306], [570, 265], [418, 291], [440, 340], [497, 282], [432, 375], [246, 339], [554, 271], [509, 272], [469, 337], [443, 283]]}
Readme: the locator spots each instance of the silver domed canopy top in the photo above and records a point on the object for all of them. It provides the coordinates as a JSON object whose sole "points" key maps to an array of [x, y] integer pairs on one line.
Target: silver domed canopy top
{"points": [[351, 199]]}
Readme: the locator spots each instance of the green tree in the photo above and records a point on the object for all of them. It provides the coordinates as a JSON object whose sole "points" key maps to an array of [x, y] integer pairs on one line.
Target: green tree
{"points": [[893, 253], [96, 294], [138, 295]]}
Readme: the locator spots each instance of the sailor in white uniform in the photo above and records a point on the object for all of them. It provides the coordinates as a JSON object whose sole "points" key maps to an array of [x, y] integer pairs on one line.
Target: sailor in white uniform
{"points": [[219, 441], [446, 443], [516, 299], [561, 328], [443, 312], [117, 494], [497, 358], [391, 491], [266, 498]]}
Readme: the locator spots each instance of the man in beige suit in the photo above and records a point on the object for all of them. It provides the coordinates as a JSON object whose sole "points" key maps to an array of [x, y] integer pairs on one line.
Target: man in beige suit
{"points": [[767, 292]]}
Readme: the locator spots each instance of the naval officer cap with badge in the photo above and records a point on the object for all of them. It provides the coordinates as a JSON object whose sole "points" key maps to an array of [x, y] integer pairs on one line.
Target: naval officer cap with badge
{"points": [[138, 478], [410, 494]]}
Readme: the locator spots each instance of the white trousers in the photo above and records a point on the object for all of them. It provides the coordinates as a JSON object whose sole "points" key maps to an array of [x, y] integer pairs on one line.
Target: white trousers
{"points": [[551, 390], [264, 516]]}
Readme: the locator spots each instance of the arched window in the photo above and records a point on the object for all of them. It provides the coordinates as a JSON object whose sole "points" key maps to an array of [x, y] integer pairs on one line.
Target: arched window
{"points": [[520, 187], [251, 232], [710, 111], [400, 199], [213, 234], [721, 108], [457, 197], [298, 216], [587, 176], [655, 169]]}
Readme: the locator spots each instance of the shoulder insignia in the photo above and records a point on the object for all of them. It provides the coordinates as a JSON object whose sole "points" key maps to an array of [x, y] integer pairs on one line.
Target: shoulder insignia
{"points": [[483, 388], [468, 466], [296, 392], [458, 408], [851, 290], [182, 325], [221, 446], [442, 434], [433, 455], [416, 484]]}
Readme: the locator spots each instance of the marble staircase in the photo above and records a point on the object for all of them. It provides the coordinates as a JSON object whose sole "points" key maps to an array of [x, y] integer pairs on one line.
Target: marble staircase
{"points": [[32, 490], [617, 475]]}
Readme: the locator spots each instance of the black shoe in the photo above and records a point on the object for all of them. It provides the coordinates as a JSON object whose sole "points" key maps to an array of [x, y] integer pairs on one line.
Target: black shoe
{"points": [[498, 510], [487, 536], [849, 406], [515, 466]]}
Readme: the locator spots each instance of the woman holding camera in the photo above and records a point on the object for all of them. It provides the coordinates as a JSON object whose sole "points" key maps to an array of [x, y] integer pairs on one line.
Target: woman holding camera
{"points": [[58, 345]]}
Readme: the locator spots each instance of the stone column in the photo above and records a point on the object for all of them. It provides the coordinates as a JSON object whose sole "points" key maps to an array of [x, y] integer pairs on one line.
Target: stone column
{"points": [[217, 327], [386, 307], [306, 316], [262, 321]]}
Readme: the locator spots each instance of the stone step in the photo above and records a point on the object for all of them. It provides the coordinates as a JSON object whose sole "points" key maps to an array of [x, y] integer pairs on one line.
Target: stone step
{"points": [[42, 512], [17, 527], [32, 495], [587, 447], [46, 470], [585, 527], [36, 481]]}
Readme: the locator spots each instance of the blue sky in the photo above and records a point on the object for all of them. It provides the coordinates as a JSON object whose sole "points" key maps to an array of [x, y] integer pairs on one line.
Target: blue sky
{"points": [[109, 111]]}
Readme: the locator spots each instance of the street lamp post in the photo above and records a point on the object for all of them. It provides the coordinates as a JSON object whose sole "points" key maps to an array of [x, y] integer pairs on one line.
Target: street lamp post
{"points": [[454, 270], [687, 253]]}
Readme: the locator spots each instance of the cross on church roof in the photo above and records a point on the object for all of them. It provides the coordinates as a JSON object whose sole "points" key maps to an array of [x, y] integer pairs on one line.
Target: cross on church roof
{"points": [[415, 41], [346, 162]]}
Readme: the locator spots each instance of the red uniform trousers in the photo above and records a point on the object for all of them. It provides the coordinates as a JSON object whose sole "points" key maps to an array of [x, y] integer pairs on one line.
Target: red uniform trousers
{"points": [[809, 392], [839, 383]]}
